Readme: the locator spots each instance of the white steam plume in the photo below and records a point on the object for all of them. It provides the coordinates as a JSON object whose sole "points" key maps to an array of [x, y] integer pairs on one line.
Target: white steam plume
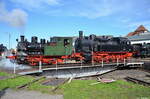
{"points": [[16, 17]]}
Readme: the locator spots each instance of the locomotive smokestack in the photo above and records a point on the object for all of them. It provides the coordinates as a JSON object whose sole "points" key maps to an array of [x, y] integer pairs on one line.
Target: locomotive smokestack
{"points": [[34, 39], [22, 38], [92, 37], [80, 34], [42, 41]]}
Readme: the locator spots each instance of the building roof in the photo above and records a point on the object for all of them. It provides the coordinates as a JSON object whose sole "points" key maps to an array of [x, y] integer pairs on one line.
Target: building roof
{"points": [[139, 30], [131, 34], [140, 37]]}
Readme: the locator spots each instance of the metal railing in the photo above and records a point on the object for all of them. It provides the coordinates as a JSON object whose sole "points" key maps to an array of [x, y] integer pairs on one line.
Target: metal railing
{"points": [[80, 65]]}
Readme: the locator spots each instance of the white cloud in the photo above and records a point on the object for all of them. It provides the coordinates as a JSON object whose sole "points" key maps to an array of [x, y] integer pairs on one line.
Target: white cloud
{"points": [[125, 20], [15, 17], [136, 24], [83, 8], [30, 4], [88, 8], [51, 2], [95, 10], [132, 25]]}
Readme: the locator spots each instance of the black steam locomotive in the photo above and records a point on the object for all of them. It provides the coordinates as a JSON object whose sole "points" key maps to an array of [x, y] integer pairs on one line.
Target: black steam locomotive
{"points": [[93, 43], [31, 48], [142, 50], [2, 48], [102, 43]]}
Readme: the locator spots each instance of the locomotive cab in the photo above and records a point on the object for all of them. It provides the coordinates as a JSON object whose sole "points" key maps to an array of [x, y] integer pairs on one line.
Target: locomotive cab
{"points": [[59, 46]]}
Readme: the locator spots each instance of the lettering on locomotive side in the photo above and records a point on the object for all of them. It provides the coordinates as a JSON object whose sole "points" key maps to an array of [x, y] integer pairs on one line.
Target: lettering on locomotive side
{"points": [[52, 44]]}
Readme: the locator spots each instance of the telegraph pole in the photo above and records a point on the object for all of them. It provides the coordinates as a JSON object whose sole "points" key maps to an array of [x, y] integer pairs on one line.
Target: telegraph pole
{"points": [[9, 37]]}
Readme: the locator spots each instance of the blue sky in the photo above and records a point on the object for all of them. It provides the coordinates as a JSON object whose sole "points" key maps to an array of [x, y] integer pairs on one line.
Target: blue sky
{"points": [[46, 18]]}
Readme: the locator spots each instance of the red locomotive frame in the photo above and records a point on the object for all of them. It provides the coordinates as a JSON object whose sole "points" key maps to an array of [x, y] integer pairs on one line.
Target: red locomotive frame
{"points": [[97, 57]]}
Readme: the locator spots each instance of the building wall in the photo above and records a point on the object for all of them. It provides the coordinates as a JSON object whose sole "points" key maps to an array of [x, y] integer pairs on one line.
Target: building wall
{"points": [[140, 42]]}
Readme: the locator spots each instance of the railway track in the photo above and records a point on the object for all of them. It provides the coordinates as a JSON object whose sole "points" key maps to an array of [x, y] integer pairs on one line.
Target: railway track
{"points": [[147, 75], [138, 81]]}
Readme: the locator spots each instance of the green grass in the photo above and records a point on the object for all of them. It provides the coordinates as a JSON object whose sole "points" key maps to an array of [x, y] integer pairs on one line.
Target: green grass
{"points": [[14, 82], [4, 74], [81, 89], [39, 87]]}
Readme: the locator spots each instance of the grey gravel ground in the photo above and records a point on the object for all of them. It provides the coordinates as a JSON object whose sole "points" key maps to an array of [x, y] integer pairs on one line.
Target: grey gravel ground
{"points": [[23, 94], [121, 74], [3, 77], [53, 81]]}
